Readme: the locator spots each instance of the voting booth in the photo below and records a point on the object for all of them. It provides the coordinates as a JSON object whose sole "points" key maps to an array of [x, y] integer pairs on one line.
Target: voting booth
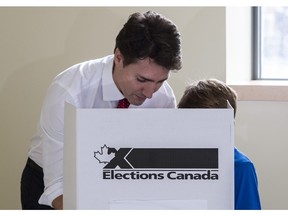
{"points": [[150, 159]]}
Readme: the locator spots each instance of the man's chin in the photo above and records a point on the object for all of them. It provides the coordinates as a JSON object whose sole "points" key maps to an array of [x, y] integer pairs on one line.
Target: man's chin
{"points": [[138, 102]]}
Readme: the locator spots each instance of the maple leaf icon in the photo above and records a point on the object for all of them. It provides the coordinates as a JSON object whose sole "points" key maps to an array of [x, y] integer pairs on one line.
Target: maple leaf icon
{"points": [[104, 155]]}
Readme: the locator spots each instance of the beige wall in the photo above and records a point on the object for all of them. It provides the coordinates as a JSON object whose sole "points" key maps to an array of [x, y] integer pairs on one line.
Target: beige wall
{"points": [[261, 132], [38, 43]]}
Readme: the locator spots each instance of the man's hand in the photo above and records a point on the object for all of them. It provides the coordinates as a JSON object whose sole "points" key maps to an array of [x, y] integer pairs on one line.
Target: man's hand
{"points": [[58, 203]]}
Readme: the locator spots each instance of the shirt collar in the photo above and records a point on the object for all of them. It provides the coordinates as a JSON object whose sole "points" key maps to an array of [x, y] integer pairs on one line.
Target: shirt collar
{"points": [[110, 90]]}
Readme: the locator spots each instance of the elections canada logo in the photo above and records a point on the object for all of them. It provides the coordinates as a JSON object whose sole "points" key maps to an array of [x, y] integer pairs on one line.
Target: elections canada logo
{"points": [[158, 163]]}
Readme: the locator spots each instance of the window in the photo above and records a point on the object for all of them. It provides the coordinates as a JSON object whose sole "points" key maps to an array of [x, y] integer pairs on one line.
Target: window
{"points": [[270, 45]]}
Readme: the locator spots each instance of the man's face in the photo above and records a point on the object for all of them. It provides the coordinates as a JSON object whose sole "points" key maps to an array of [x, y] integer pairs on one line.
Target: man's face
{"points": [[138, 81]]}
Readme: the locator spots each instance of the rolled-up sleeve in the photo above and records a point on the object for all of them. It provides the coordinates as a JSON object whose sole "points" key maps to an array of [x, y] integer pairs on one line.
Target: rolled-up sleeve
{"points": [[52, 126]]}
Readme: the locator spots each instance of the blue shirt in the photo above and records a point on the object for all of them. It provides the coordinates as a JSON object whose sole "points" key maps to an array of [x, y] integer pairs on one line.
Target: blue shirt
{"points": [[246, 183]]}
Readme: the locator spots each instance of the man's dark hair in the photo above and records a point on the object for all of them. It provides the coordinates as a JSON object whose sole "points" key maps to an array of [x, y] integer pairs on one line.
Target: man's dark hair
{"points": [[150, 35]]}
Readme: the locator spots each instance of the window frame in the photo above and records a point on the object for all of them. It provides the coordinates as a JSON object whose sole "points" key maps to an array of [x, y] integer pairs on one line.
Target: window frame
{"points": [[240, 59], [257, 46], [256, 43]]}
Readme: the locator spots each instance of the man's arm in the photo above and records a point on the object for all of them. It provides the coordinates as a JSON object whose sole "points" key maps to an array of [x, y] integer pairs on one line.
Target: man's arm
{"points": [[58, 203]]}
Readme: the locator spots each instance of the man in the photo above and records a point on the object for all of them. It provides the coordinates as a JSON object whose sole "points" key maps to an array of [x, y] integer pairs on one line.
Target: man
{"points": [[213, 93], [147, 48]]}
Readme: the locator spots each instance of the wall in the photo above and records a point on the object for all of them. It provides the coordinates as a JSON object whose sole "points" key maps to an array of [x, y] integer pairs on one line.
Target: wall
{"points": [[261, 125], [38, 43], [261, 132]]}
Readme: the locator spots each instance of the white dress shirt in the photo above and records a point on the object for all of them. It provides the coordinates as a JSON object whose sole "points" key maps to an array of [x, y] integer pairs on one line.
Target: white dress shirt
{"points": [[85, 85]]}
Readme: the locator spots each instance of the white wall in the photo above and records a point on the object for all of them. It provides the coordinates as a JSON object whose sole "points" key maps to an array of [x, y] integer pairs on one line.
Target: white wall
{"points": [[38, 43]]}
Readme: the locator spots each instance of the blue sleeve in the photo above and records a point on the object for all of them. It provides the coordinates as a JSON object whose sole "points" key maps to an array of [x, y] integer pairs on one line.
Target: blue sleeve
{"points": [[246, 187]]}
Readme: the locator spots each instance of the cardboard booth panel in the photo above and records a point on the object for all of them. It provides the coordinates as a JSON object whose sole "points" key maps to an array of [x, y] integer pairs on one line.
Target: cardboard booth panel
{"points": [[148, 158]]}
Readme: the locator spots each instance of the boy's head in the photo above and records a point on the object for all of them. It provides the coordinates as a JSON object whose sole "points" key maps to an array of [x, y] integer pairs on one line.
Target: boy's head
{"points": [[210, 93]]}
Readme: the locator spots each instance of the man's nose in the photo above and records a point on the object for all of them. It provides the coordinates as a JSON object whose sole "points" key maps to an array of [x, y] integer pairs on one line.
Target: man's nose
{"points": [[149, 89]]}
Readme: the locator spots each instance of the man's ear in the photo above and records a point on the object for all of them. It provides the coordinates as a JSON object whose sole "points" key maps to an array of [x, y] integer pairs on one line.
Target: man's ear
{"points": [[118, 58]]}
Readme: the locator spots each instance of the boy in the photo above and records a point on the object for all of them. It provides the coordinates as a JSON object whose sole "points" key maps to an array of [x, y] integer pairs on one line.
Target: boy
{"points": [[212, 93]]}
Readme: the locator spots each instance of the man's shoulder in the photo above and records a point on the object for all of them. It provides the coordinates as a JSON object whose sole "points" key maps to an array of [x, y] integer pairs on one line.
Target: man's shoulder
{"points": [[103, 60], [84, 69], [166, 89]]}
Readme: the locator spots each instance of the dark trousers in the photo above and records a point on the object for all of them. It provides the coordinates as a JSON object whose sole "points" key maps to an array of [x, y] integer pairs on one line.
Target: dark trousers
{"points": [[32, 186]]}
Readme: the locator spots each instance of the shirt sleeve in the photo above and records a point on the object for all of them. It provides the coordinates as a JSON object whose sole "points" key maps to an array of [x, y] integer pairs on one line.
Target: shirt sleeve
{"points": [[246, 188], [52, 142]]}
